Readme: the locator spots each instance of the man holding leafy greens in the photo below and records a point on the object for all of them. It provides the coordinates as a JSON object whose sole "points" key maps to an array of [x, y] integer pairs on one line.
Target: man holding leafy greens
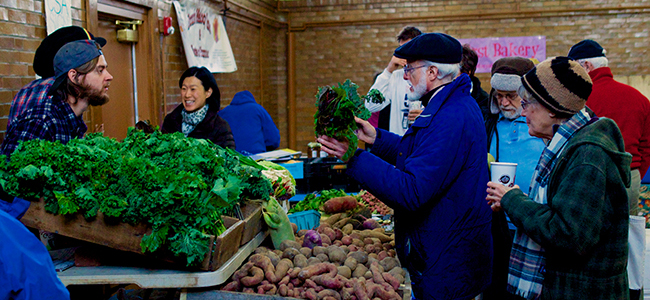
{"points": [[433, 176]]}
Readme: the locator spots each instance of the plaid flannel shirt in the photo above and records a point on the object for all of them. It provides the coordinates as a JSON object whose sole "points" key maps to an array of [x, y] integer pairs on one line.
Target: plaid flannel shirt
{"points": [[29, 96], [52, 120]]}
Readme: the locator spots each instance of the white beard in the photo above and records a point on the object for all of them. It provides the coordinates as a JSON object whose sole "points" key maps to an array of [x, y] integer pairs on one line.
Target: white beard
{"points": [[418, 91], [509, 114]]}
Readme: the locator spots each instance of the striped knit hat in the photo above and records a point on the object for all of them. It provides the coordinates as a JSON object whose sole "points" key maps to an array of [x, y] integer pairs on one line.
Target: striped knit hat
{"points": [[559, 84]]}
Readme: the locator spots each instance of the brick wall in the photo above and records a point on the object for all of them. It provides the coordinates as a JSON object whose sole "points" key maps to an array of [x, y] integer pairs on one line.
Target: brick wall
{"points": [[344, 39], [354, 39]]}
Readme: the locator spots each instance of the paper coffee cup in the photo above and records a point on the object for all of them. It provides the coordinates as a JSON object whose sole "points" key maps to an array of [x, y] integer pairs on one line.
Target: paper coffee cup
{"points": [[413, 105], [503, 173]]}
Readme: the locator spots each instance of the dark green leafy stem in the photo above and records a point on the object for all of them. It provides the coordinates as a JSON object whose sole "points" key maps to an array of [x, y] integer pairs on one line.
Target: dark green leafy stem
{"points": [[337, 107], [179, 186]]}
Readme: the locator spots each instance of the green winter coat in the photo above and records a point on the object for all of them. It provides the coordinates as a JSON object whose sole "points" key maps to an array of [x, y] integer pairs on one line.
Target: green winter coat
{"points": [[584, 226]]}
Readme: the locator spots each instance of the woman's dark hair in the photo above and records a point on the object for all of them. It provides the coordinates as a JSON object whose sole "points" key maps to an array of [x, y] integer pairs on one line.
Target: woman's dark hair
{"points": [[207, 80]]}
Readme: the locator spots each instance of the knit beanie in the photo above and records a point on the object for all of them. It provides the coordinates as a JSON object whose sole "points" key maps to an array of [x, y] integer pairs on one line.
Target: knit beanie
{"points": [[559, 84], [506, 76]]}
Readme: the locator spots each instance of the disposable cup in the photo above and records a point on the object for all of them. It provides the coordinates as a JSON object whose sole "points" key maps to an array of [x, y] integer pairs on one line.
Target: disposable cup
{"points": [[503, 173], [413, 105]]}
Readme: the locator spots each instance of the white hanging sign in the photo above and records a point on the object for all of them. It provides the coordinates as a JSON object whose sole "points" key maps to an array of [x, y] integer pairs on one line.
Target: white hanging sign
{"points": [[57, 14], [204, 38]]}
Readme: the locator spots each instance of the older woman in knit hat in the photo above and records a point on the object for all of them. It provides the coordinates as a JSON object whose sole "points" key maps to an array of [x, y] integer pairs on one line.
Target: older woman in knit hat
{"points": [[571, 239]]}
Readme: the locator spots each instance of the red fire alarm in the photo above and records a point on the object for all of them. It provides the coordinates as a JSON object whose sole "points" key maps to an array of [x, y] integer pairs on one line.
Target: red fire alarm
{"points": [[168, 29]]}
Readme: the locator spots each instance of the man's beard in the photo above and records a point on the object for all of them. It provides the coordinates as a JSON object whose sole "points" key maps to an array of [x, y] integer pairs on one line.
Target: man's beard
{"points": [[509, 114], [418, 91], [95, 97]]}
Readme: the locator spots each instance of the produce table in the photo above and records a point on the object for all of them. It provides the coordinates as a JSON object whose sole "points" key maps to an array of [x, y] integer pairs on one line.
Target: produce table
{"points": [[159, 278]]}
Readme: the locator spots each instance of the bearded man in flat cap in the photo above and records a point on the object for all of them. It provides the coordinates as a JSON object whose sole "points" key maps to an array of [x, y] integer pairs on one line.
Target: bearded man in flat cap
{"points": [[433, 176]]}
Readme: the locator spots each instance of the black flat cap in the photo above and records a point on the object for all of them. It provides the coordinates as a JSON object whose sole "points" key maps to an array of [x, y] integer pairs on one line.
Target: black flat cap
{"points": [[586, 49], [44, 57], [435, 47]]}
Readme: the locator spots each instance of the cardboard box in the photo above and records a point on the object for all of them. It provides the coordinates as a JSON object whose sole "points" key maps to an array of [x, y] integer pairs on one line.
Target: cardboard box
{"points": [[127, 237]]}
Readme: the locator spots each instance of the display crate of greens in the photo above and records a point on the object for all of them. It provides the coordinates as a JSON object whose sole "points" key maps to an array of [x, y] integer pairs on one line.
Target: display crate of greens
{"points": [[252, 218], [176, 187]]}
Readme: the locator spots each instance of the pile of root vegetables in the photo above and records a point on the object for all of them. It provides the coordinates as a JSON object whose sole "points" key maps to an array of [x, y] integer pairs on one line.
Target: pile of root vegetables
{"points": [[350, 264], [373, 204]]}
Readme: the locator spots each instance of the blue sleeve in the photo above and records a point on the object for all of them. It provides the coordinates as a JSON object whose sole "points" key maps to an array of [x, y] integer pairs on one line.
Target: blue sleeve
{"points": [[437, 159], [385, 146], [26, 269], [270, 131]]}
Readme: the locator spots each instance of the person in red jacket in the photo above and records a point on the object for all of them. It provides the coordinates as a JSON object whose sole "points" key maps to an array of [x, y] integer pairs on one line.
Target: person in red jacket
{"points": [[631, 111]]}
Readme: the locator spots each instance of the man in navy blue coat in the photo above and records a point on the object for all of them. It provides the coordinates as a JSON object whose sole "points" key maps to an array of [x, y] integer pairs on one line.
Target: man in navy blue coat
{"points": [[433, 176]]}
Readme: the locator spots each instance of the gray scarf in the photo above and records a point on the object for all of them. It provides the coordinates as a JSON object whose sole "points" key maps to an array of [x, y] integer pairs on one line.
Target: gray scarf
{"points": [[191, 119]]}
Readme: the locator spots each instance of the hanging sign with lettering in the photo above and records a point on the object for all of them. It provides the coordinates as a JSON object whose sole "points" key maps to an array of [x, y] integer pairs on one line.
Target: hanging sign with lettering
{"points": [[491, 49], [204, 37], [57, 14]]}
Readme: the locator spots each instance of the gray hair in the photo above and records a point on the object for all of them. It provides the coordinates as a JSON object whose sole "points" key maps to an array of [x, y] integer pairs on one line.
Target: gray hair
{"points": [[525, 94], [445, 71], [598, 62]]}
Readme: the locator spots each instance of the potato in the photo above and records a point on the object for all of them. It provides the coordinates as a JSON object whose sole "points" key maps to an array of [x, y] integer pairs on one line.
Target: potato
{"points": [[290, 253], [336, 254], [360, 256], [313, 261], [351, 263], [305, 251], [368, 241], [275, 259], [346, 240], [301, 232], [325, 239], [323, 257], [289, 244], [318, 250], [389, 263], [373, 255], [300, 261], [359, 271], [347, 228], [344, 271], [359, 243]]}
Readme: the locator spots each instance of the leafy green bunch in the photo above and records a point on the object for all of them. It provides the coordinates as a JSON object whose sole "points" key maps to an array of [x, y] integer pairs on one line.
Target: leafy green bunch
{"points": [[337, 107], [179, 186], [314, 201]]}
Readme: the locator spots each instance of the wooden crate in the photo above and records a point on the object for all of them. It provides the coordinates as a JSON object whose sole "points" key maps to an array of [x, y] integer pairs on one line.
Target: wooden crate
{"points": [[127, 237], [253, 222]]}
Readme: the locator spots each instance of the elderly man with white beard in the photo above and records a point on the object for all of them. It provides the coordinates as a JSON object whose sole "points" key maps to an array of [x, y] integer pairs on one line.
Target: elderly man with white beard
{"points": [[508, 140], [432, 175]]}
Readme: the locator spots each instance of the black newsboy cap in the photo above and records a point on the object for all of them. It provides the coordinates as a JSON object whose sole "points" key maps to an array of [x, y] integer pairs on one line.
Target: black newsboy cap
{"points": [[435, 47], [586, 49]]}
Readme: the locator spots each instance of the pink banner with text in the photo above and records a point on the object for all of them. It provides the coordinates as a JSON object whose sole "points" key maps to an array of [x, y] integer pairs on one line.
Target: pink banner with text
{"points": [[491, 49]]}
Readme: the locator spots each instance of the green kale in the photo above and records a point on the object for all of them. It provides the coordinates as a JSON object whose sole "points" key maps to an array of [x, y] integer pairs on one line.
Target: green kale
{"points": [[337, 107], [179, 186]]}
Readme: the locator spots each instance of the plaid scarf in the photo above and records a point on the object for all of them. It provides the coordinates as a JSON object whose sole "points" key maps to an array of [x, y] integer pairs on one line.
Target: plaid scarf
{"points": [[191, 119], [527, 260]]}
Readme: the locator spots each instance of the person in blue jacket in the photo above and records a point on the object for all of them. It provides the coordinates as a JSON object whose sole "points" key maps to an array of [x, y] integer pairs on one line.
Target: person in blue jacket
{"points": [[251, 125], [26, 269], [432, 176]]}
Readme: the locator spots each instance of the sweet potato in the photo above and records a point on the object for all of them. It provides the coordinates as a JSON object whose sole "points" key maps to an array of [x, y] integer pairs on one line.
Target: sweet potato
{"points": [[318, 269], [283, 290], [248, 290], [243, 271], [328, 281], [374, 234], [359, 289], [359, 243], [340, 223], [264, 263], [346, 240], [391, 280], [339, 234], [329, 293], [381, 255], [346, 293], [376, 273], [257, 275], [330, 234], [353, 248], [339, 204], [282, 269], [310, 294], [268, 289], [294, 273], [332, 219], [285, 280], [325, 239], [310, 284], [233, 286]]}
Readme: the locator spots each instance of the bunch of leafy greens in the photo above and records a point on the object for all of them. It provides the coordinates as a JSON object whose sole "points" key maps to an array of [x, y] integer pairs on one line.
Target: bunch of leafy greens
{"points": [[314, 202], [337, 107], [179, 186]]}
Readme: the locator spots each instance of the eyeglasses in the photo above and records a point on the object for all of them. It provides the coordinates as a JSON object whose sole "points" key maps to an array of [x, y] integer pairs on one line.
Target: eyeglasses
{"points": [[526, 104], [408, 69], [510, 96]]}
